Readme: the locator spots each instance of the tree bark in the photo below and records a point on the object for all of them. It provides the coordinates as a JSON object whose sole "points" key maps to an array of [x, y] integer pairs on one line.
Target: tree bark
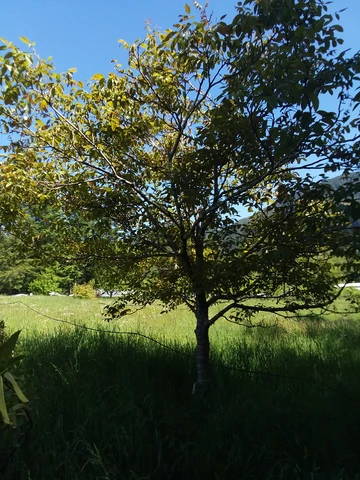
{"points": [[202, 352]]}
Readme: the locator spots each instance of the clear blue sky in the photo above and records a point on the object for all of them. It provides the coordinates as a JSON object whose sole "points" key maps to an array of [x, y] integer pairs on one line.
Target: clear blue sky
{"points": [[84, 33]]}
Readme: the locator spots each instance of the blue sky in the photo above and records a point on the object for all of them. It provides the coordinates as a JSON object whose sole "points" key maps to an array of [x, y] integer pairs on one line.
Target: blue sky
{"points": [[84, 33]]}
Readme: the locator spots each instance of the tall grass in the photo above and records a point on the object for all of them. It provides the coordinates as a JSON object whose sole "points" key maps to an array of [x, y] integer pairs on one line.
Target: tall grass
{"points": [[284, 402]]}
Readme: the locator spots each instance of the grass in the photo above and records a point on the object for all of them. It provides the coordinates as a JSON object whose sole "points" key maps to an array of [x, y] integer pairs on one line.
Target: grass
{"points": [[30, 314], [285, 401]]}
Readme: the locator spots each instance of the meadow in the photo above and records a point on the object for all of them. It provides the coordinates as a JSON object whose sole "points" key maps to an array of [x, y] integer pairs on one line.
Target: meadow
{"points": [[284, 402]]}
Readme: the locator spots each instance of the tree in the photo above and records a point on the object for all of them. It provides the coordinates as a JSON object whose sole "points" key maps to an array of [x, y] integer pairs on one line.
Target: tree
{"points": [[17, 269], [209, 121]]}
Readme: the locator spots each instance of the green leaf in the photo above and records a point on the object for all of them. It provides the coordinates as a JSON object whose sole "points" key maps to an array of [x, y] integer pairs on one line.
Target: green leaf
{"points": [[187, 8], [7, 348], [10, 363], [16, 388], [357, 97], [3, 407], [315, 101], [169, 35]]}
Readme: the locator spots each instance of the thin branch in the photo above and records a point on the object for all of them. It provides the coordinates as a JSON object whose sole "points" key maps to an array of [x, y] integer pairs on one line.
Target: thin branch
{"points": [[249, 325]]}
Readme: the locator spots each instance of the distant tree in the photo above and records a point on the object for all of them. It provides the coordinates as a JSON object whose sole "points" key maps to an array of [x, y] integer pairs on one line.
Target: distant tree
{"points": [[210, 120], [34, 257], [16, 269]]}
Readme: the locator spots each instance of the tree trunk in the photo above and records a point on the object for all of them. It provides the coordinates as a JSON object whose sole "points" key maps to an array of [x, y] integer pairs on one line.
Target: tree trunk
{"points": [[202, 351]]}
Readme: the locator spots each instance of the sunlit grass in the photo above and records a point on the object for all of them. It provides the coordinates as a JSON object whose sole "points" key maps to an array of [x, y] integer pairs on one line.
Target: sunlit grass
{"points": [[39, 314]]}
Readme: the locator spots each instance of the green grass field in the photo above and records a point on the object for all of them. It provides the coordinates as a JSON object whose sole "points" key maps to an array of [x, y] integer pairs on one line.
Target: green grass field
{"points": [[43, 315], [284, 405]]}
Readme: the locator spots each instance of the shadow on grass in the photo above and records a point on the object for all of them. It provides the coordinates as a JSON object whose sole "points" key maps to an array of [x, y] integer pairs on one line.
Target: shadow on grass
{"points": [[120, 408]]}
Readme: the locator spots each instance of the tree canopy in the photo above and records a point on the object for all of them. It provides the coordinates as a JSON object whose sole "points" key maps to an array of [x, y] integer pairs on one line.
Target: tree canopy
{"points": [[209, 121]]}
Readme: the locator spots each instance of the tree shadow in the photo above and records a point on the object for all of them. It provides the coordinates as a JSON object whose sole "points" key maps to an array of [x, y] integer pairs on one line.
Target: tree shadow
{"points": [[108, 408]]}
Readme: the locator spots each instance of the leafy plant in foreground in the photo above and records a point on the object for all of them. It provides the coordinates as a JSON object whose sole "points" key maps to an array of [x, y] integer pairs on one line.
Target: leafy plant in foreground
{"points": [[9, 388]]}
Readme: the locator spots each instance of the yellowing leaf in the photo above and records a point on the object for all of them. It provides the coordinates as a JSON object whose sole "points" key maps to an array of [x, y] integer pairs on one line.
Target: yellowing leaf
{"points": [[43, 105], [187, 8], [97, 76], [123, 43], [27, 42], [5, 42], [16, 387]]}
